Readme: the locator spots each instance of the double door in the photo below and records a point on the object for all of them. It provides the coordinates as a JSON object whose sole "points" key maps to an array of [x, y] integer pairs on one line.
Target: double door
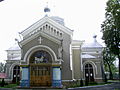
{"points": [[89, 75], [40, 75]]}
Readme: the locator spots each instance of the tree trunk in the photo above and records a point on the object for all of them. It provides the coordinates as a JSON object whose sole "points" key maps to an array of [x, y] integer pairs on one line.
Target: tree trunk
{"points": [[119, 66], [111, 75]]}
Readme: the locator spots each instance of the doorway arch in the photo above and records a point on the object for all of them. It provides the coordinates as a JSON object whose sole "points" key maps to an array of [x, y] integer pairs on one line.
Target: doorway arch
{"points": [[40, 68], [16, 74]]}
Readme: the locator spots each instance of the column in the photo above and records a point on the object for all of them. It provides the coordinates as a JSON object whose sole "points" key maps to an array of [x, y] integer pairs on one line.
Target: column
{"points": [[25, 78], [56, 80]]}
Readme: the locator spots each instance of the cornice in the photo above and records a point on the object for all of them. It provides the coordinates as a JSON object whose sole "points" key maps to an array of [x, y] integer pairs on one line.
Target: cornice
{"points": [[40, 33], [46, 20]]}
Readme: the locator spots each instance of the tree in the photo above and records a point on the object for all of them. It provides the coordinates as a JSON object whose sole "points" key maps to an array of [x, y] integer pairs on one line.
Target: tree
{"points": [[2, 67], [108, 59], [1, 0], [111, 28]]}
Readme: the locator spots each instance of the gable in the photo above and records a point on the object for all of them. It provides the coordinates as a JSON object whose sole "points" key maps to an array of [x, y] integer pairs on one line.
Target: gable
{"points": [[39, 34], [41, 25]]}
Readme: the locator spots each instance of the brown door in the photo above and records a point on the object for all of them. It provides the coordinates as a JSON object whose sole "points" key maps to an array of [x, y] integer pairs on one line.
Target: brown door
{"points": [[40, 75], [89, 76], [40, 68]]}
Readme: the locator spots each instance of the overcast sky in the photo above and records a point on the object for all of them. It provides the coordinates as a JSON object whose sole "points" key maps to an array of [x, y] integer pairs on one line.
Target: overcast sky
{"points": [[82, 16]]}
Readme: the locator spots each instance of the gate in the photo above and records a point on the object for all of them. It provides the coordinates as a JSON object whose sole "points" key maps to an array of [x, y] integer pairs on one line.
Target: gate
{"points": [[40, 75]]}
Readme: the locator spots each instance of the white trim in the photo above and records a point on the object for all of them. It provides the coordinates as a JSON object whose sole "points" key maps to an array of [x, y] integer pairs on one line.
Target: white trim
{"points": [[29, 52], [44, 20], [76, 47], [81, 61], [94, 66]]}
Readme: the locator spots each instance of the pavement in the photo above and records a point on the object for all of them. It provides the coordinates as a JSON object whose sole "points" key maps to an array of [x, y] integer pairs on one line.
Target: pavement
{"points": [[113, 86]]}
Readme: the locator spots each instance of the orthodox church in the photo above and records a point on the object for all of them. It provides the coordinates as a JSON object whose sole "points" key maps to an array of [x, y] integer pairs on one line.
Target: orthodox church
{"points": [[47, 55]]}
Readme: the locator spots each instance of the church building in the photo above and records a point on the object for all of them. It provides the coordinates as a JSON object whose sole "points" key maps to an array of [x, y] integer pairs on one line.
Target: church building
{"points": [[47, 55]]}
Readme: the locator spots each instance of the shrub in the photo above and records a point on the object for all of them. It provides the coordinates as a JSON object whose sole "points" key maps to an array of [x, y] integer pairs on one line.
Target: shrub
{"points": [[2, 83], [81, 82]]}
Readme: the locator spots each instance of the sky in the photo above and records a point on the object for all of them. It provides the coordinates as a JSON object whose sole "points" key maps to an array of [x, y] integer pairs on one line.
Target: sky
{"points": [[83, 16]]}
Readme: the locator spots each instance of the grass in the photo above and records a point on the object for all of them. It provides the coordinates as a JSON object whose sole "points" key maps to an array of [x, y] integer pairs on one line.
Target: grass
{"points": [[9, 86]]}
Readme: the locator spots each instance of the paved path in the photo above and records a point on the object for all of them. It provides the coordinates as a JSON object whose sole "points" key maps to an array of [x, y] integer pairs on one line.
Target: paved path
{"points": [[114, 86]]}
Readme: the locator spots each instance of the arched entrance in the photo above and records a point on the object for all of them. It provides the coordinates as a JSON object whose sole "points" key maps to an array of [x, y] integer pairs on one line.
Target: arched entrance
{"points": [[40, 69], [89, 75], [16, 74]]}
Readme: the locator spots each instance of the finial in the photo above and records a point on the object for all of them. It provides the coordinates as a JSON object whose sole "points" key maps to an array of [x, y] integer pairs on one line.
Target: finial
{"points": [[46, 9], [94, 37]]}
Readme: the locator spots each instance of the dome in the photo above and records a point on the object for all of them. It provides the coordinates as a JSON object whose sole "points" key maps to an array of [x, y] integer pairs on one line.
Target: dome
{"points": [[58, 19], [46, 9], [94, 44], [14, 47]]}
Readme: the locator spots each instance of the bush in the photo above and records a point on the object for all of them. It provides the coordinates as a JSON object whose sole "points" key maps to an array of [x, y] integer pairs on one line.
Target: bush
{"points": [[2, 83], [93, 83], [105, 79], [81, 82], [86, 82]]}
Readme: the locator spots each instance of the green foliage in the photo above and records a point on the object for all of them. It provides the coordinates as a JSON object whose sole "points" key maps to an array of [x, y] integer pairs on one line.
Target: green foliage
{"points": [[2, 67], [109, 58], [10, 86], [105, 80], [2, 83], [111, 28], [81, 82]]}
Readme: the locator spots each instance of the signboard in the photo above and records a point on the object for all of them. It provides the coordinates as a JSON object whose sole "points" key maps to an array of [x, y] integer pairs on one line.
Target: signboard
{"points": [[56, 74], [25, 74], [3, 75]]}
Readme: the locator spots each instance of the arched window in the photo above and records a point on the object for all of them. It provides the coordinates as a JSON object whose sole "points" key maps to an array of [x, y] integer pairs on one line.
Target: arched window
{"points": [[41, 57]]}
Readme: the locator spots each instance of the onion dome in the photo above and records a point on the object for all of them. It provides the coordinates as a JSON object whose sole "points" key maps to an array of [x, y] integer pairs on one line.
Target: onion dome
{"points": [[46, 9]]}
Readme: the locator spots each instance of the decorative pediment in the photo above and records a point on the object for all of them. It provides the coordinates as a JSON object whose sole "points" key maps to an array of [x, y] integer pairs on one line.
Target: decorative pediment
{"points": [[47, 28], [47, 25], [39, 36]]}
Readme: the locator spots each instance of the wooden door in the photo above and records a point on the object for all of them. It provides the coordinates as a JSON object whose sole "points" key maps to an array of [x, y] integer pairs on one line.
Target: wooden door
{"points": [[40, 75], [89, 76]]}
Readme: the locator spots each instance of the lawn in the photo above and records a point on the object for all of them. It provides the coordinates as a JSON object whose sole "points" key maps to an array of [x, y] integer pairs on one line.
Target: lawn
{"points": [[9, 86]]}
